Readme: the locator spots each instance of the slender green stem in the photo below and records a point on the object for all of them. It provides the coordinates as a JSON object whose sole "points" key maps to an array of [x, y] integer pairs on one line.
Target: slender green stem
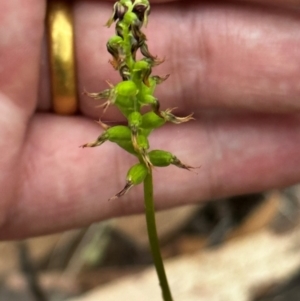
{"points": [[153, 239]]}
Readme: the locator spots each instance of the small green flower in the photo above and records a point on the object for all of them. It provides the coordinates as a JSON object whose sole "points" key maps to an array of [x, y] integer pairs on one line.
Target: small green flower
{"points": [[119, 9], [116, 49], [142, 71], [142, 10], [123, 95]]}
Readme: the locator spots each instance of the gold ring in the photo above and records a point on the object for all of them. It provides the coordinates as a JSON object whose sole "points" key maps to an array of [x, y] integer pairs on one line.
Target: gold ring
{"points": [[62, 57]]}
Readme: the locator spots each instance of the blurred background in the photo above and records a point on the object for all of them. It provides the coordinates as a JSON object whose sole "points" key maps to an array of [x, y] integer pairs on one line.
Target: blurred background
{"points": [[243, 248]]}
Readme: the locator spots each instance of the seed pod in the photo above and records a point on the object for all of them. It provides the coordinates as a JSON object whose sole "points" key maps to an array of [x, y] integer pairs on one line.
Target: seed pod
{"points": [[118, 133], [142, 70], [126, 89], [148, 99], [162, 158], [121, 135], [134, 120], [137, 173], [151, 121], [142, 142], [135, 176], [126, 92]]}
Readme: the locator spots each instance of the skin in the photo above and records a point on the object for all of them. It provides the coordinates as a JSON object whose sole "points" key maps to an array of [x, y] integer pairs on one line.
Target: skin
{"points": [[235, 65]]}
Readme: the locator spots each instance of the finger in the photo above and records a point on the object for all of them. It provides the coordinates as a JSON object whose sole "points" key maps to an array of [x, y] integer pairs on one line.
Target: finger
{"points": [[64, 186], [21, 29], [221, 55], [21, 25]]}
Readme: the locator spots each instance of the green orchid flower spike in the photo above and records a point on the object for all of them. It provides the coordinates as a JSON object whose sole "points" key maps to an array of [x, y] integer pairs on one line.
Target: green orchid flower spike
{"points": [[135, 91]]}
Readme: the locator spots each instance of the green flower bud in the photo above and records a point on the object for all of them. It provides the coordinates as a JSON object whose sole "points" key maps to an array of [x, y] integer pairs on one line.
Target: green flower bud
{"points": [[135, 120], [135, 176], [123, 95], [118, 134], [137, 173], [151, 121], [142, 71], [142, 142], [131, 22], [149, 90], [131, 19], [126, 92], [162, 158], [121, 135], [150, 100]]}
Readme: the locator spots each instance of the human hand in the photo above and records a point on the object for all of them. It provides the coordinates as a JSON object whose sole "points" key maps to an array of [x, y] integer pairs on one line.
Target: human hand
{"points": [[236, 66]]}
